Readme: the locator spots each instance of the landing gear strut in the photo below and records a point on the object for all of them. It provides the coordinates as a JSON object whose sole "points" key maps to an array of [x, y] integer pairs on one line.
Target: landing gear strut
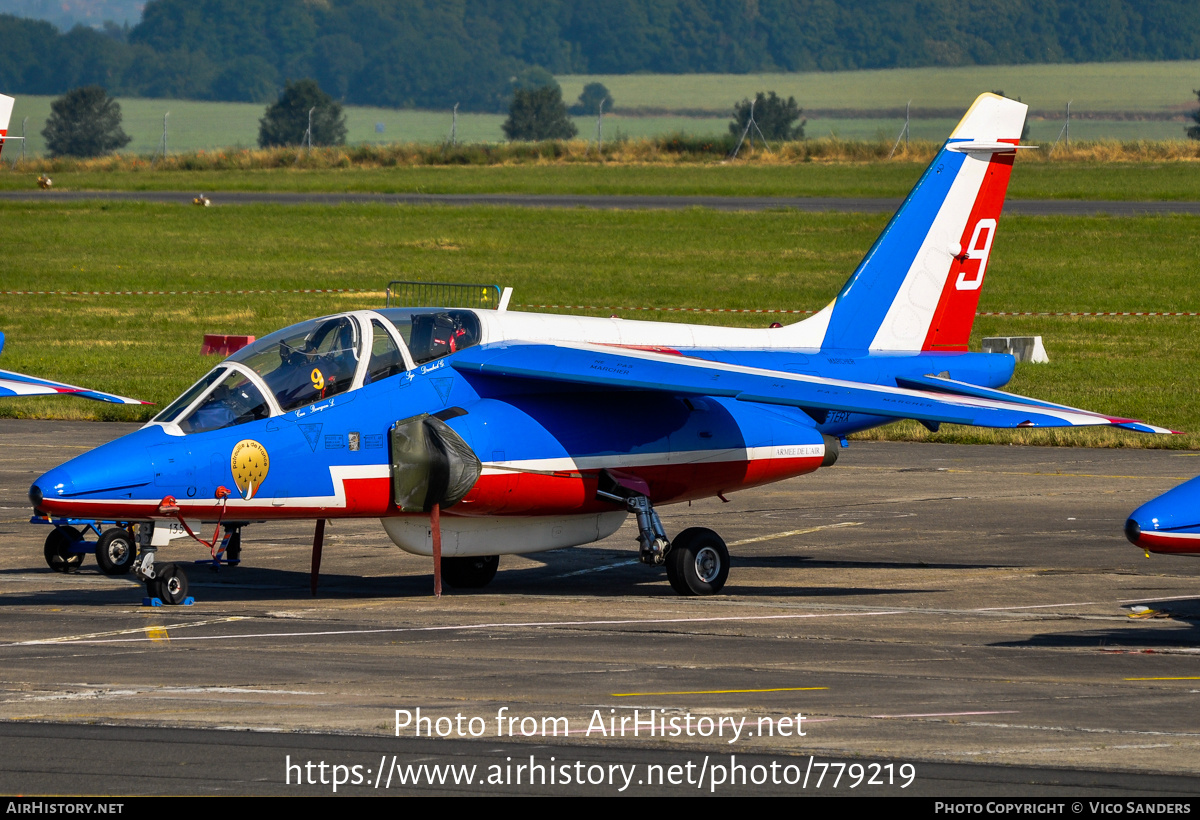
{"points": [[652, 539], [697, 562]]}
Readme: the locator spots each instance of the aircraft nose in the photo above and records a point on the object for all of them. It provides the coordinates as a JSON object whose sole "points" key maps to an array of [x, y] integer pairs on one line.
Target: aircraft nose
{"points": [[1133, 531], [1169, 523], [53, 484]]}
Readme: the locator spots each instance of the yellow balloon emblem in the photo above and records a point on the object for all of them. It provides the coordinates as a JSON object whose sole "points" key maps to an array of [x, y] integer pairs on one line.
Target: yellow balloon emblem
{"points": [[249, 464]]}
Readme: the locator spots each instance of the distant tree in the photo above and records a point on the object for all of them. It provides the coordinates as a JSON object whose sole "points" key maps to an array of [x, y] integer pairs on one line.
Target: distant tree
{"points": [[1193, 131], [285, 122], [85, 122], [775, 117], [533, 78], [249, 79], [538, 114], [589, 101]]}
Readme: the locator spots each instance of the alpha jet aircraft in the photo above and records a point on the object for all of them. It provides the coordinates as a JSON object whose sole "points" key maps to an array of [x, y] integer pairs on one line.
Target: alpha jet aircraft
{"points": [[479, 433], [1169, 524]]}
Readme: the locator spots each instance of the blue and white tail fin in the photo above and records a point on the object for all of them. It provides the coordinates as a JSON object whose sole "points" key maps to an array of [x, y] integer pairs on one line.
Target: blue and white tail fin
{"points": [[918, 286]]}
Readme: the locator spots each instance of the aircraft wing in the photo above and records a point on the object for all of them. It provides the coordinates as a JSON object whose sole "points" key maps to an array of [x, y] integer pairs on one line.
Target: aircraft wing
{"points": [[18, 384], [623, 368]]}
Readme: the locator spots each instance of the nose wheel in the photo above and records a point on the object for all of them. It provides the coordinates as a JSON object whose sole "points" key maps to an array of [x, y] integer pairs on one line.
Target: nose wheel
{"points": [[115, 551]]}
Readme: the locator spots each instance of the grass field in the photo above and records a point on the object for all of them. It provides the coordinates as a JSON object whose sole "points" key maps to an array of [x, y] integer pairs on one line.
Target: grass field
{"points": [[1033, 178], [148, 346], [1152, 87]]}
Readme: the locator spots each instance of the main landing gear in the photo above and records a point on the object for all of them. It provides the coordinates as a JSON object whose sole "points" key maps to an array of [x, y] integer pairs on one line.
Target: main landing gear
{"points": [[697, 562]]}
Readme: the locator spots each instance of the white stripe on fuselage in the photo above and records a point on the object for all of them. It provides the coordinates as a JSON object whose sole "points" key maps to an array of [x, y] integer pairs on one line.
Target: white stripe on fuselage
{"points": [[206, 508], [655, 459], [506, 326]]}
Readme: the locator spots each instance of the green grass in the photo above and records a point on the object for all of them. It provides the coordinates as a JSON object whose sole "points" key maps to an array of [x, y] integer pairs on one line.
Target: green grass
{"points": [[1091, 87], [1103, 92], [1031, 179], [148, 346]]}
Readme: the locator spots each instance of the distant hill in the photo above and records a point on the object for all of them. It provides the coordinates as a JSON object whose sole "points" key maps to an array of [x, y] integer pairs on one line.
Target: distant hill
{"points": [[66, 14], [431, 53]]}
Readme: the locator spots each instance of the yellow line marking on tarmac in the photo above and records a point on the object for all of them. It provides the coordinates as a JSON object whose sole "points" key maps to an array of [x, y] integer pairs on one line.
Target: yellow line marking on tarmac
{"points": [[158, 634], [468, 626], [719, 691], [1194, 677], [146, 629], [1061, 475], [775, 535]]}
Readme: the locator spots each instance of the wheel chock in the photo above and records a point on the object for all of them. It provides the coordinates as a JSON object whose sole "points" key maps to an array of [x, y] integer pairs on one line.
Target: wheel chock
{"points": [[188, 601]]}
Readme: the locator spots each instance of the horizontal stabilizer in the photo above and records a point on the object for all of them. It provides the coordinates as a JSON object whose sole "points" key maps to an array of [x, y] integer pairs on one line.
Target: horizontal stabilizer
{"points": [[18, 384], [940, 384]]}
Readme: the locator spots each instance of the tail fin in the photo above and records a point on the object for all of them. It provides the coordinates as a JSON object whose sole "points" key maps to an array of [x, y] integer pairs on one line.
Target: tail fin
{"points": [[918, 287], [6, 107]]}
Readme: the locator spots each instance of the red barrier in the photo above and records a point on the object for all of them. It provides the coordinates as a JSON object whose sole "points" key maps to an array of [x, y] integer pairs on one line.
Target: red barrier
{"points": [[217, 344]]}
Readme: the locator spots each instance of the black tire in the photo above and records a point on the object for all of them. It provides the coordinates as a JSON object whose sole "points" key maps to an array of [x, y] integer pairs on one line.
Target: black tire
{"points": [[474, 572], [698, 562], [58, 552], [233, 550], [170, 584], [115, 551]]}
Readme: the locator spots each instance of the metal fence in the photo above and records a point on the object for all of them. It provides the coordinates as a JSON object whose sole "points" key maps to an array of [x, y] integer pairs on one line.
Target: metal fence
{"points": [[401, 293]]}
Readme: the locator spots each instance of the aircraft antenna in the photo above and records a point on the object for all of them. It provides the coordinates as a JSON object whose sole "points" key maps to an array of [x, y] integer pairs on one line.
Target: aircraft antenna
{"points": [[599, 121], [903, 131], [162, 143], [306, 142], [22, 157], [1065, 133], [746, 131]]}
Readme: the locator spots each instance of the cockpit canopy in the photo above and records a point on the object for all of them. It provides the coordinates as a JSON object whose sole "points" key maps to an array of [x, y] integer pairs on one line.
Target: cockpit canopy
{"points": [[316, 360]]}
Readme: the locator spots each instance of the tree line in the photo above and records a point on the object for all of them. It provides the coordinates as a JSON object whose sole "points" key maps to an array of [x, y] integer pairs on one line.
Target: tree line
{"points": [[432, 53]]}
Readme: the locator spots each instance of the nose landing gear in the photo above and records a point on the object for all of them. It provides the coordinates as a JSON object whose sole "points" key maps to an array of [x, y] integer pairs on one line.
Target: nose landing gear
{"points": [[165, 583]]}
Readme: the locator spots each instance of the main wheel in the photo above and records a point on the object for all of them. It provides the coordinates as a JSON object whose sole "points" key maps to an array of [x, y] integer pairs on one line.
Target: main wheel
{"points": [[698, 562], [58, 549], [474, 572], [170, 584], [115, 551]]}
